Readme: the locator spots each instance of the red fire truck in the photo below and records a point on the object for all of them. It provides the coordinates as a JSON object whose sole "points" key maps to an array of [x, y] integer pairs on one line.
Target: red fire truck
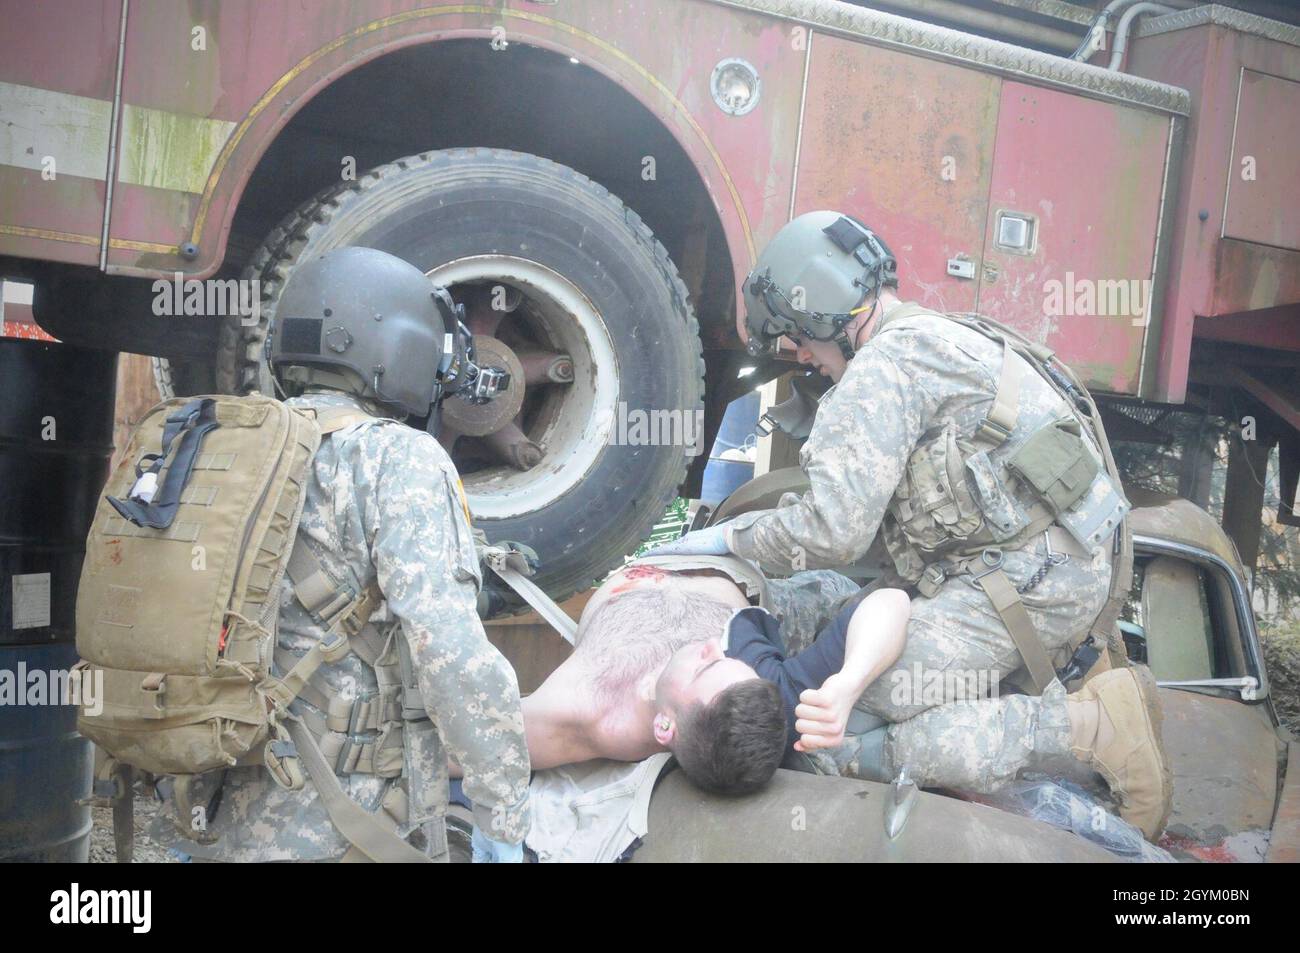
{"points": [[1117, 182]]}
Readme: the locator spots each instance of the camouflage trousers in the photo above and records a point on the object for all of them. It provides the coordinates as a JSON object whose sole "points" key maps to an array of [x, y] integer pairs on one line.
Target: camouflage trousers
{"points": [[806, 603], [938, 710]]}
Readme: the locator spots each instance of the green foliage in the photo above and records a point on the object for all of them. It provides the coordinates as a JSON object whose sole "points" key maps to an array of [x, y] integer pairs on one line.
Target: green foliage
{"points": [[672, 525], [1281, 644]]}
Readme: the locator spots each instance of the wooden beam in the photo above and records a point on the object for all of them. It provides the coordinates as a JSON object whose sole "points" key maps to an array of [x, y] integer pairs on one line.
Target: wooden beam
{"points": [[1243, 497]]}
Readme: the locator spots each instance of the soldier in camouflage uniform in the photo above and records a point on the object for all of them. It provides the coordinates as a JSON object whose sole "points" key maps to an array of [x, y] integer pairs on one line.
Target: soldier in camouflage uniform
{"points": [[918, 441], [383, 506]]}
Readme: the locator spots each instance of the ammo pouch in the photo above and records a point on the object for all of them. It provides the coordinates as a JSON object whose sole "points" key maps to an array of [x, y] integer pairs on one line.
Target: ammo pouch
{"points": [[359, 735], [933, 505], [1057, 464]]}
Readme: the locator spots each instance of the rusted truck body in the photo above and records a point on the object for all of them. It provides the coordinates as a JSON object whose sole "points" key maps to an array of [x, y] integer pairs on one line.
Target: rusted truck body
{"points": [[616, 168], [1138, 222]]}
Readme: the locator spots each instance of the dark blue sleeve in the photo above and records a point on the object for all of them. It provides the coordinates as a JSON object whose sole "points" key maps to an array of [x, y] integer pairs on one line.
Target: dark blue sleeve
{"points": [[811, 667], [754, 637]]}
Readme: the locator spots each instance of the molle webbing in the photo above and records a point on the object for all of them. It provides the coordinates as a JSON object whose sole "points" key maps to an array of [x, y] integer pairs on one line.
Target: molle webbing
{"points": [[190, 423], [366, 832], [998, 423]]}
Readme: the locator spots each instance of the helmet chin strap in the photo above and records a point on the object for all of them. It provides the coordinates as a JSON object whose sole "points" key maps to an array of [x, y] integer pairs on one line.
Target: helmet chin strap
{"points": [[842, 335], [846, 346]]}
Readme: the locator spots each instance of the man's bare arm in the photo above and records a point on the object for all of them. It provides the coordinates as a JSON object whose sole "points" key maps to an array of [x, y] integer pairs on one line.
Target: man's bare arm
{"points": [[876, 634]]}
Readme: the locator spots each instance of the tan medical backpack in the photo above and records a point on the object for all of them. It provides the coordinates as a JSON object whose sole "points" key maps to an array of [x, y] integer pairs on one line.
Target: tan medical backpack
{"points": [[179, 592], [180, 596]]}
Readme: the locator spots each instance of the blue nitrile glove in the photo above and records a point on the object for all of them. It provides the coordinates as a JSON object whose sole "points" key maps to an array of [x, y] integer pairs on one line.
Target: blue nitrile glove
{"points": [[701, 542], [484, 850]]}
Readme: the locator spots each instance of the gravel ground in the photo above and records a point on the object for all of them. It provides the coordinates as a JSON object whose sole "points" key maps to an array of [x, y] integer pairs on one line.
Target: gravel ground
{"points": [[102, 848]]}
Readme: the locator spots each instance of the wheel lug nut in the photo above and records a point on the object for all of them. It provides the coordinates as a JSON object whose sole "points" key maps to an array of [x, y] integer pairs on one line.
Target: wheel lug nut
{"points": [[527, 456]]}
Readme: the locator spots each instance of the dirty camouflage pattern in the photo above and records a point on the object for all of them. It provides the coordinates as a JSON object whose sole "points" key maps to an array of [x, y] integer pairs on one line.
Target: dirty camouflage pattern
{"points": [[977, 747], [958, 634], [913, 377], [382, 504], [806, 603], [957, 651], [981, 746]]}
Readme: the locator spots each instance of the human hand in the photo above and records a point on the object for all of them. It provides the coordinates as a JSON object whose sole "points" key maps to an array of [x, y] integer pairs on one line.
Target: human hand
{"points": [[529, 562], [484, 850], [822, 715], [509, 554]]}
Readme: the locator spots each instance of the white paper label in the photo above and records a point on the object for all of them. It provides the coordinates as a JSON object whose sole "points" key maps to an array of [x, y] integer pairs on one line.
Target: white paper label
{"points": [[32, 600]]}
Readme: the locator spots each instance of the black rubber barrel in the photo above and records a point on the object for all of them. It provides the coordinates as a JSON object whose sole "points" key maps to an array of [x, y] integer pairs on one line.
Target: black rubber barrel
{"points": [[56, 439]]}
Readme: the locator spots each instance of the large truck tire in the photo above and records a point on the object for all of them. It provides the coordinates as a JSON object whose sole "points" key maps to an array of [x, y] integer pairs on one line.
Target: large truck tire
{"points": [[567, 283]]}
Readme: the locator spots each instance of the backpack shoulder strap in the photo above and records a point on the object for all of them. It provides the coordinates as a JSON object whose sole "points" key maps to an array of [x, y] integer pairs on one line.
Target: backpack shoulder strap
{"points": [[1000, 421], [997, 425], [338, 607]]}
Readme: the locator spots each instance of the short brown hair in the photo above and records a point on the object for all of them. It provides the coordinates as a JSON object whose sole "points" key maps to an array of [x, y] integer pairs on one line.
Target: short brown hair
{"points": [[734, 744]]}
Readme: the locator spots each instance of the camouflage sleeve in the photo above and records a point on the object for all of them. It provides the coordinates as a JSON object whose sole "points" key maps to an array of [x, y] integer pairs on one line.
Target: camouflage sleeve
{"points": [[428, 571], [854, 458]]}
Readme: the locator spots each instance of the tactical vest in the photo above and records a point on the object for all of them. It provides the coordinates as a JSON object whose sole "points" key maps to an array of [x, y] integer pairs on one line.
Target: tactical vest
{"points": [[964, 498], [179, 604]]}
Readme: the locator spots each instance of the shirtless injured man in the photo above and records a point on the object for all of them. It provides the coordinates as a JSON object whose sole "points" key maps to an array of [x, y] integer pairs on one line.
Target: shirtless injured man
{"points": [[736, 675], [732, 673]]}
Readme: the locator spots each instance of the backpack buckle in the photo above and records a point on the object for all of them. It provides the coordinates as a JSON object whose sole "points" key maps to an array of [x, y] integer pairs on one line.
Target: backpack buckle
{"points": [[154, 686], [358, 613], [281, 758], [992, 560], [994, 433], [334, 646], [932, 578]]}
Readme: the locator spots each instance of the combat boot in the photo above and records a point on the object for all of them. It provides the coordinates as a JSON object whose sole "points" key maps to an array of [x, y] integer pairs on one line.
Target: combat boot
{"points": [[1115, 725]]}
